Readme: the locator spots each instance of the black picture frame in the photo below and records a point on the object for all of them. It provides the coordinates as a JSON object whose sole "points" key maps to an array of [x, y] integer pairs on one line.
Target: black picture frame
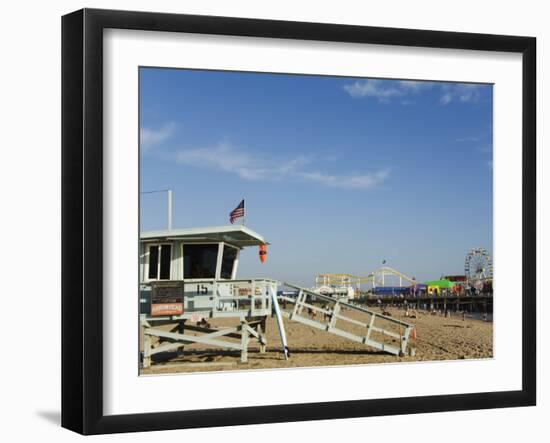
{"points": [[82, 218]]}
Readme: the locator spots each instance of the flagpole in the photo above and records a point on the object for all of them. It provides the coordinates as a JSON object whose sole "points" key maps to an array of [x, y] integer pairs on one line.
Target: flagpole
{"points": [[244, 212]]}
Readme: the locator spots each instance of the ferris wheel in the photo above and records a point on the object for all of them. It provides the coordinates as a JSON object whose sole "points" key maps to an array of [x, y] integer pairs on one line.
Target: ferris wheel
{"points": [[478, 267]]}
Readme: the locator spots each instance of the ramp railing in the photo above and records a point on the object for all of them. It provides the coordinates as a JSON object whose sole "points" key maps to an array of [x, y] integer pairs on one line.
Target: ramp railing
{"points": [[347, 320]]}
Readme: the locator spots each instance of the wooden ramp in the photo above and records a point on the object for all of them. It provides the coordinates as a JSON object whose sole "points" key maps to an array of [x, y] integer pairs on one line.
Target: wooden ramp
{"points": [[346, 320]]}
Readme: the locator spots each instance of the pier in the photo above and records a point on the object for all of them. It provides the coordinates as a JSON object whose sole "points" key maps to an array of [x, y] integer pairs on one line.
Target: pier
{"points": [[473, 303]]}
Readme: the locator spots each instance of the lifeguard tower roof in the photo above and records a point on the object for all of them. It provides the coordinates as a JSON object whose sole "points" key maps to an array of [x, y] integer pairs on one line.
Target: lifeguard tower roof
{"points": [[236, 235]]}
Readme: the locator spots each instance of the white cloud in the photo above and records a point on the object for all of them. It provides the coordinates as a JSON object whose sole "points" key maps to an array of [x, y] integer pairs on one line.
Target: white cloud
{"points": [[351, 181], [415, 86], [463, 93], [151, 138], [387, 90], [446, 99], [226, 158], [381, 89], [482, 143]]}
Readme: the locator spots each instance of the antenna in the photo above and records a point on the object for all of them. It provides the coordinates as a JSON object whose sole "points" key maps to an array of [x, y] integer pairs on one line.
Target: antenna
{"points": [[169, 205]]}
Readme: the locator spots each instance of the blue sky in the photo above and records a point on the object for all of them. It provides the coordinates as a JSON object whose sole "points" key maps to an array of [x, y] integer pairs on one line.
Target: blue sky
{"points": [[338, 173]]}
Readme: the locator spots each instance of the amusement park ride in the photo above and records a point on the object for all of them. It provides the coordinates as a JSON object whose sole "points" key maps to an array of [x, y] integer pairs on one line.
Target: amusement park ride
{"points": [[478, 268], [349, 286]]}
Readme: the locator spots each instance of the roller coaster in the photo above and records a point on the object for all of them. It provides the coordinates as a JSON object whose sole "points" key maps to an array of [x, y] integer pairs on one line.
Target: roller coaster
{"points": [[353, 285]]}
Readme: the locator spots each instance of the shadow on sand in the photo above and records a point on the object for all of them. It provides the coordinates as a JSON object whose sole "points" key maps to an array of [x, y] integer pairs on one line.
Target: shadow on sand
{"points": [[210, 356]]}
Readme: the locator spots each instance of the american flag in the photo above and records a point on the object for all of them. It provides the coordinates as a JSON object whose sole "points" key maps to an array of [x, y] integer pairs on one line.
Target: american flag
{"points": [[237, 212]]}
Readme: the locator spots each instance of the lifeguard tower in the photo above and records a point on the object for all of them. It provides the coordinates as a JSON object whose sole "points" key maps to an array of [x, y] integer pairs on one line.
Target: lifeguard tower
{"points": [[188, 276]]}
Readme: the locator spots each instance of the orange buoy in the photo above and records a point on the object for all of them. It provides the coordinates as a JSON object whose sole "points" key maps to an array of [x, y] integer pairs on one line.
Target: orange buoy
{"points": [[414, 334], [263, 253]]}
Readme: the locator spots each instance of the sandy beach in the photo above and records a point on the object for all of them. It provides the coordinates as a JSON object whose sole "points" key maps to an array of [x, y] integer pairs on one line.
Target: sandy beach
{"points": [[438, 338]]}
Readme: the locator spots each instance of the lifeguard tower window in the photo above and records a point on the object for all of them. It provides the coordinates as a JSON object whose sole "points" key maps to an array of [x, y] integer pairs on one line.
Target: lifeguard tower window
{"points": [[160, 269], [199, 261], [228, 260]]}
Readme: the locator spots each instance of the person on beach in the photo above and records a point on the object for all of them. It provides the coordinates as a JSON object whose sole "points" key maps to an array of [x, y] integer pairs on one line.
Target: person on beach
{"points": [[326, 315]]}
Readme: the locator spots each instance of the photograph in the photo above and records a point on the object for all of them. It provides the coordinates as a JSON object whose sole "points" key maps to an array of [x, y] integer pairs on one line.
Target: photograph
{"points": [[296, 221]]}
